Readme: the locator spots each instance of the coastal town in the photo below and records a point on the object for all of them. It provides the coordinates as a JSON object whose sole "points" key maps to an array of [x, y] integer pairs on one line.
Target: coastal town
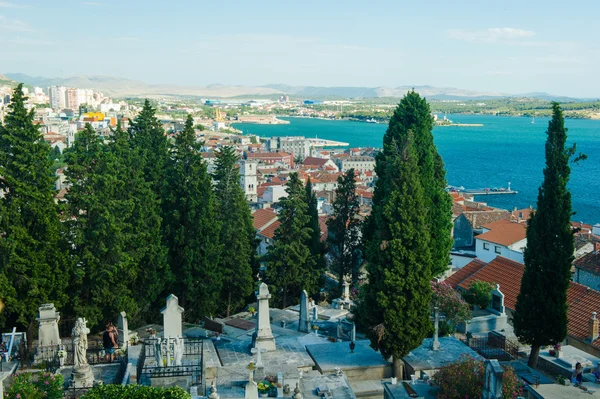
{"points": [[312, 347]]}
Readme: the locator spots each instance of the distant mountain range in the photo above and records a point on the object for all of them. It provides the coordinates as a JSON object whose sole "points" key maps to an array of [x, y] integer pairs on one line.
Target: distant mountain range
{"points": [[119, 87]]}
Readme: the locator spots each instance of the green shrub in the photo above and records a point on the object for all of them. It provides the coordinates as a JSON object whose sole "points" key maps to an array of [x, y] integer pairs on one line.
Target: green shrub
{"points": [[479, 293], [465, 379], [35, 386], [135, 392]]}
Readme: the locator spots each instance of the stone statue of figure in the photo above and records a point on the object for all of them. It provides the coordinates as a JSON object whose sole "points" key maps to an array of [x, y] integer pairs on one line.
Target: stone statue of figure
{"points": [[80, 342], [178, 347]]}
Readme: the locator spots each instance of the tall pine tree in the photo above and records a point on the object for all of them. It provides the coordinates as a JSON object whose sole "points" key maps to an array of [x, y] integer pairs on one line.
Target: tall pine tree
{"points": [[344, 230], [32, 254], [289, 261], [192, 228], [541, 310], [237, 233], [394, 305], [413, 115]]}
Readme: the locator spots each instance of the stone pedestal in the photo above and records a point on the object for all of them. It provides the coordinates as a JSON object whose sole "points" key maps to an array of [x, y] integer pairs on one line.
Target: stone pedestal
{"points": [[172, 318], [304, 324], [263, 337], [82, 376], [123, 328], [48, 336]]}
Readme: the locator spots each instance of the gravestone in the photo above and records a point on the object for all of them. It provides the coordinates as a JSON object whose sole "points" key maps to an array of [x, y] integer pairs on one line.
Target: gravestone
{"points": [[251, 389], [48, 329], [492, 388], [123, 327], [435, 344], [304, 324], [172, 318], [315, 315], [497, 303], [263, 336]]}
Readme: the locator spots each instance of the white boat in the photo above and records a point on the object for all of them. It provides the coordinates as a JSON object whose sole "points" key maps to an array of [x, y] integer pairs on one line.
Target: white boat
{"points": [[372, 120], [533, 119]]}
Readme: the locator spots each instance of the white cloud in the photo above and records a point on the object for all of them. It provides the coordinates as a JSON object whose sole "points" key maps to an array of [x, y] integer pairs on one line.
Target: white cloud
{"points": [[6, 4], [490, 35], [14, 25]]}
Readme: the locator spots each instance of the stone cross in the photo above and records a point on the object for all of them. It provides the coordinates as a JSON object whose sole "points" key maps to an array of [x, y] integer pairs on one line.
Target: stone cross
{"points": [[251, 391], [123, 329], [493, 380], [263, 337], [304, 324], [435, 345], [172, 318], [259, 351], [48, 330]]}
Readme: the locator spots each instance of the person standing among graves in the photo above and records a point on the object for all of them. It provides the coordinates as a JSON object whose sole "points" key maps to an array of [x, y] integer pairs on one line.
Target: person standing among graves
{"points": [[109, 342]]}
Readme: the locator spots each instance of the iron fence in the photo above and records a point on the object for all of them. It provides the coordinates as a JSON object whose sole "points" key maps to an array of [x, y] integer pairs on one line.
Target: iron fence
{"points": [[493, 347]]}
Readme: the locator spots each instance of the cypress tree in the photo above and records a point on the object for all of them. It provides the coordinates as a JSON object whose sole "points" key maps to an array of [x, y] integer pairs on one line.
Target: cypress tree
{"points": [[150, 142], [413, 115], [344, 229], [105, 276], [32, 251], [192, 229], [237, 232], [394, 304], [144, 238], [314, 243], [541, 310], [289, 261]]}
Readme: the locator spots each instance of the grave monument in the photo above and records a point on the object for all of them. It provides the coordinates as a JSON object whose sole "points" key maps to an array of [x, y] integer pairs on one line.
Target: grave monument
{"points": [[492, 388], [123, 327], [49, 338], [304, 323], [172, 318], [263, 336], [81, 374]]}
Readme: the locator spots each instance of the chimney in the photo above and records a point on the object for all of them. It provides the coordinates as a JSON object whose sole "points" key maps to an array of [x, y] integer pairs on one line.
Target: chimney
{"points": [[594, 325]]}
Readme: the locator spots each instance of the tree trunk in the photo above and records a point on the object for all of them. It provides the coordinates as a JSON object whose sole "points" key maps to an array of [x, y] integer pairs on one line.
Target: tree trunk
{"points": [[397, 367], [533, 356]]}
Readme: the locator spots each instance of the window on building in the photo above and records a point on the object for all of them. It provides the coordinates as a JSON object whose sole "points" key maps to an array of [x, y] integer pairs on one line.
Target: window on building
{"points": [[497, 249], [486, 246]]}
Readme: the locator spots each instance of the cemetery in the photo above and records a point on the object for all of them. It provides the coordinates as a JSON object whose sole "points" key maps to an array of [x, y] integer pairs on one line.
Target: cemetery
{"points": [[306, 350]]}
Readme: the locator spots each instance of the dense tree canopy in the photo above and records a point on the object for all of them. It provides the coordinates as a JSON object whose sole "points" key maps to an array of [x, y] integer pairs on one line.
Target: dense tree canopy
{"points": [[32, 253]]}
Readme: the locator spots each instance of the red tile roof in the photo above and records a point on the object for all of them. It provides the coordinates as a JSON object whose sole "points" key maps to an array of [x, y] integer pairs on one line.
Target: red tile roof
{"points": [[581, 300], [323, 227], [313, 161], [460, 275], [263, 217], [269, 231], [589, 262], [501, 271], [503, 232]]}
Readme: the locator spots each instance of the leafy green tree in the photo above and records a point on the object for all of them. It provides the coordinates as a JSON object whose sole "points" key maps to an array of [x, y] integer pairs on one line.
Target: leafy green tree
{"points": [[314, 243], [541, 310], [237, 232], [192, 228], [479, 294], [413, 115], [289, 260], [32, 252], [344, 230], [395, 303]]}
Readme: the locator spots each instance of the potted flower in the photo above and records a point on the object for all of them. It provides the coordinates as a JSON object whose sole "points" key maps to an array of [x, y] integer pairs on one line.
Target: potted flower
{"points": [[151, 331], [62, 355], [316, 328], [263, 388], [557, 349], [252, 310]]}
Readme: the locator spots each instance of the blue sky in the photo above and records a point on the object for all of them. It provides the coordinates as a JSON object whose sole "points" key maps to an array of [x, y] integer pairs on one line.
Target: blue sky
{"points": [[501, 46]]}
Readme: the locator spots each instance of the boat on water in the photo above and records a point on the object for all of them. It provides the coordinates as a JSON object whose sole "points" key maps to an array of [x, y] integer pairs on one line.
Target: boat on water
{"points": [[372, 120], [533, 119]]}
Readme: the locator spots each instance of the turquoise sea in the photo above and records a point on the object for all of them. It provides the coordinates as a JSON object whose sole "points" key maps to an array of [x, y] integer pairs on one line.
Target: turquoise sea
{"points": [[504, 149]]}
